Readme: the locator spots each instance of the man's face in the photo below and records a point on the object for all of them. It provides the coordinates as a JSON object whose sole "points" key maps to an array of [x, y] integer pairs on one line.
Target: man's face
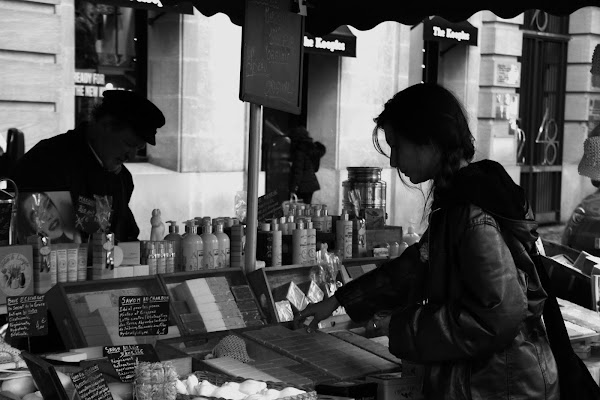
{"points": [[117, 144]]}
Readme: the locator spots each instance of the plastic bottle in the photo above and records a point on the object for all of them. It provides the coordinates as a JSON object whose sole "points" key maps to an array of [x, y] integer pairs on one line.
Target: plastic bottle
{"points": [[161, 263], [318, 220], [152, 258], [171, 256], [176, 238], [275, 244], [158, 228], [328, 225], [224, 246], [192, 248], [411, 237], [299, 243], [311, 244], [343, 233], [211, 247]]}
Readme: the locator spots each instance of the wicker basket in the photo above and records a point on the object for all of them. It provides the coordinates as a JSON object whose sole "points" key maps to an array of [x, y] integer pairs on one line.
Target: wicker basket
{"points": [[220, 379]]}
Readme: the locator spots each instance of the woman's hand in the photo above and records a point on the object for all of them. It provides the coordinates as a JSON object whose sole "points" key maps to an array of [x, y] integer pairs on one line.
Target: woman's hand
{"points": [[319, 311]]}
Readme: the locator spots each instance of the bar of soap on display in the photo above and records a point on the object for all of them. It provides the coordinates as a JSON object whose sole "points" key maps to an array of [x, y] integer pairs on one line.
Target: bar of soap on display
{"points": [[131, 252], [293, 294], [141, 270], [284, 311], [314, 294]]}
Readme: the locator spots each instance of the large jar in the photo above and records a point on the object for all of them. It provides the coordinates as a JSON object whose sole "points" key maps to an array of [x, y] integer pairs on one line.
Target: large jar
{"points": [[367, 182]]}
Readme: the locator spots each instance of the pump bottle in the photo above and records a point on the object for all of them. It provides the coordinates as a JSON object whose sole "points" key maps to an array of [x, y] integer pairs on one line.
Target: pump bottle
{"points": [[411, 237], [192, 248], [211, 247], [224, 246], [299, 244], [343, 233], [176, 238], [311, 243]]}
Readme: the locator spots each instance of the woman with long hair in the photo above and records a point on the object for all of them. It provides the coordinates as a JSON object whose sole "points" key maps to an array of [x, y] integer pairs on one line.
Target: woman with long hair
{"points": [[467, 299]]}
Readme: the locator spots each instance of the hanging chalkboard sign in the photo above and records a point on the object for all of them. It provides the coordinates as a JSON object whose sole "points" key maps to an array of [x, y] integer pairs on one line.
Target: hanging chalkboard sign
{"points": [[269, 206], [143, 315], [91, 385], [272, 53], [27, 315], [124, 358]]}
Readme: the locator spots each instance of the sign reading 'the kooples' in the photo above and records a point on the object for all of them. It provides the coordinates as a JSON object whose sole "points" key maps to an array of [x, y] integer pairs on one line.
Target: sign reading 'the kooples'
{"points": [[438, 29]]}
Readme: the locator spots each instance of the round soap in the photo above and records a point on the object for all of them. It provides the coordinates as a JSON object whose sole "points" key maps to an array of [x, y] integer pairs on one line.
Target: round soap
{"points": [[118, 255]]}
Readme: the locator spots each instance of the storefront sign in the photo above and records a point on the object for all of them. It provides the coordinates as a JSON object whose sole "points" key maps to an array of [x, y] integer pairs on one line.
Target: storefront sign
{"points": [[89, 84], [440, 30], [340, 42], [143, 315]]}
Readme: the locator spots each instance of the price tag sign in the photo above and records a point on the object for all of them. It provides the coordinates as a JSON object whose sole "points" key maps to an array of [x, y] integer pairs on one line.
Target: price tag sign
{"points": [[27, 315], [269, 206], [91, 385], [124, 358], [143, 315]]}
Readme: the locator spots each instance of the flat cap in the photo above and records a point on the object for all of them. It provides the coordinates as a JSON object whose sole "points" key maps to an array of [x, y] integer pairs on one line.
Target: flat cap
{"points": [[135, 109]]}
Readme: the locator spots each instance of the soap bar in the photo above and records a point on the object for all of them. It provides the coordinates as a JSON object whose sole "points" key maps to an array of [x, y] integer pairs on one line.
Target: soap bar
{"points": [[131, 252]]}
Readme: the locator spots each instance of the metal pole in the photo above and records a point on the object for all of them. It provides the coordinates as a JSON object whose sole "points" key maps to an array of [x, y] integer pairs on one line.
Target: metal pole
{"points": [[253, 171]]}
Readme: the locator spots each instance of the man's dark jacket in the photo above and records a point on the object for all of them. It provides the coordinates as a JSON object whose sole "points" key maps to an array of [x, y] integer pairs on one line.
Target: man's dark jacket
{"points": [[468, 301], [66, 163]]}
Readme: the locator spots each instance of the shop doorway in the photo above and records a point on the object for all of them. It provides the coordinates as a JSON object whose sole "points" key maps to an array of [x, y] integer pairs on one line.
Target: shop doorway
{"points": [[276, 143], [541, 111]]}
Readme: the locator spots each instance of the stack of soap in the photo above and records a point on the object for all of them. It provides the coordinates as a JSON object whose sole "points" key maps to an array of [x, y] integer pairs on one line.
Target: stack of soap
{"points": [[292, 293], [247, 305], [212, 300]]}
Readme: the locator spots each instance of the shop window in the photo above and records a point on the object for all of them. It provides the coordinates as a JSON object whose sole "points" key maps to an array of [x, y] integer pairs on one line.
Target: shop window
{"points": [[110, 53]]}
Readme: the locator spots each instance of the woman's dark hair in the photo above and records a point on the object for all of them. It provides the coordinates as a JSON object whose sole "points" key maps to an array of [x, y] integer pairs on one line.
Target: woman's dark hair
{"points": [[427, 113]]}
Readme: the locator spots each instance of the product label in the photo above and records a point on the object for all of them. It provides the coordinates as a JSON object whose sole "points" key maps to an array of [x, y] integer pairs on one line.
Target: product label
{"points": [[348, 241], [215, 258]]}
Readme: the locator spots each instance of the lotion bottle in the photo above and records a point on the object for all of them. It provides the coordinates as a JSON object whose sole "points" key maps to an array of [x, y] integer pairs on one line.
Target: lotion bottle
{"points": [[328, 220], [211, 247], [311, 244], [192, 248], [343, 243], [299, 243], [176, 238], [224, 246], [275, 244]]}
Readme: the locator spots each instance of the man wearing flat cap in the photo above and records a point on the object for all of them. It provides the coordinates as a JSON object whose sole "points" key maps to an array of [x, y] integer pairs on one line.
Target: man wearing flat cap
{"points": [[88, 160]]}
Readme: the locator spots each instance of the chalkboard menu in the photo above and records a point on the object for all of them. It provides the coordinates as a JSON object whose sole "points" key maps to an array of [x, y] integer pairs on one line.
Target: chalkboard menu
{"points": [[272, 52], [143, 315], [90, 384], [123, 358], [27, 315], [269, 206]]}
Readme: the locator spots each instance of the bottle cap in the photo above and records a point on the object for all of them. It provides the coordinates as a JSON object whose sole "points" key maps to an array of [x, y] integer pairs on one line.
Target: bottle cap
{"points": [[309, 225], [290, 218], [173, 228], [300, 223], [411, 229], [265, 227]]}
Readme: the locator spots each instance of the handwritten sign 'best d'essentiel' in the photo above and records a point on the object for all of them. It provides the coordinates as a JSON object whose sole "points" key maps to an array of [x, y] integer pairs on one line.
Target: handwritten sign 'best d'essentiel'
{"points": [[27, 315], [124, 358], [143, 315]]}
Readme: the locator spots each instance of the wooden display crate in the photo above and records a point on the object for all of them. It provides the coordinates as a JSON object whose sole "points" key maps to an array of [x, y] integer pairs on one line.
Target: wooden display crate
{"points": [[234, 277], [66, 310], [264, 363], [267, 281]]}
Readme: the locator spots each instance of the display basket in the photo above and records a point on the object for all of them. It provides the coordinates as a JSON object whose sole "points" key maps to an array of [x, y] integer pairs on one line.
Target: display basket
{"points": [[220, 379]]}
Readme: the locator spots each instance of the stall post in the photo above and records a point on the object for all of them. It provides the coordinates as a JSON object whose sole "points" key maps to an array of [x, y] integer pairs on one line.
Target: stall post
{"points": [[253, 172]]}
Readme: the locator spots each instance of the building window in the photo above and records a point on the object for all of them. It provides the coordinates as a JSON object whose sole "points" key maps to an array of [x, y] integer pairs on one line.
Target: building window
{"points": [[110, 53]]}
